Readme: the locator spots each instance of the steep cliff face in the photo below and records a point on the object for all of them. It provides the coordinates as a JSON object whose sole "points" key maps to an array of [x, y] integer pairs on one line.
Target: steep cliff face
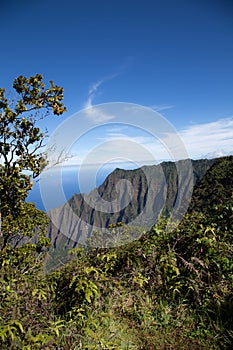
{"points": [[134, 197]]}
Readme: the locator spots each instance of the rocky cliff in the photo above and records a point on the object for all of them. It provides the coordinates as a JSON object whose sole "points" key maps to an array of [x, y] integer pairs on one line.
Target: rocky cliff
{"points": [[134, 197]]}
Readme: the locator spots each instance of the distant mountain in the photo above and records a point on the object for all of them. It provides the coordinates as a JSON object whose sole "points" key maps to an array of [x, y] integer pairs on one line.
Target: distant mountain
{"points": [[135, 197]]}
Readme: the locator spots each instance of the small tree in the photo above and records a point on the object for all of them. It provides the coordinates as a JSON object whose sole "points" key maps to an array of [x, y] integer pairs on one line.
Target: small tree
{"points": [[21, 158]]}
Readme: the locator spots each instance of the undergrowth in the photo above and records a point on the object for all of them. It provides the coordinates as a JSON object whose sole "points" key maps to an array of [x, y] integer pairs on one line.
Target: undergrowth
{"points": [[166, 290]]}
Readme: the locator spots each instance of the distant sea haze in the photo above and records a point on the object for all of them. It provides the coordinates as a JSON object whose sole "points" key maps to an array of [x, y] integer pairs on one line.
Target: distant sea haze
{"points": [[46, 192]]}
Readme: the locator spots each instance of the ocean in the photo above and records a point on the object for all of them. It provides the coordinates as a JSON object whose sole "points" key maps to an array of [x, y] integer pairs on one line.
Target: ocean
{"points": [[54, 187], [59, 184]]}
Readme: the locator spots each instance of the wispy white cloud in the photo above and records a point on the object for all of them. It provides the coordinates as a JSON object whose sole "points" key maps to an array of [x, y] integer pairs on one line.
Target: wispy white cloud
{"points": [[92, 92], [93, 113], [143, 140], [118, 150], [160, 108], [202, 139]]}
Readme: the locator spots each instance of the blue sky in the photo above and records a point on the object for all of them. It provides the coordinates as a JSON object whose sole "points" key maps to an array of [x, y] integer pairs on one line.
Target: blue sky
{"points": [[173, 56]]}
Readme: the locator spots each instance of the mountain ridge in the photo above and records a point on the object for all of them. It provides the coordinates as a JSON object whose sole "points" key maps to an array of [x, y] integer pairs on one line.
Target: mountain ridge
{"points": [[134, 197]]}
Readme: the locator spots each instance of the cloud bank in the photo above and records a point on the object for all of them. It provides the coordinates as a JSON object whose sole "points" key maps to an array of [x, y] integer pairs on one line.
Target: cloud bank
{"points": [[117, 144]]}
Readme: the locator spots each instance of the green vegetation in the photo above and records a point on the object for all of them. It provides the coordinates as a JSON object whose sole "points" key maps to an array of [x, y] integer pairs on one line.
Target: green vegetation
{"points": [[170, 289], [20, 150], [165, 290]]}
